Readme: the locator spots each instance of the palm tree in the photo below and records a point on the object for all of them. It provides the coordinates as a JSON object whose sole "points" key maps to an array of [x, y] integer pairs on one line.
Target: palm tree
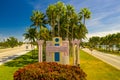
{"points": [[44, 34], [69, 14], [73, 24], [51, 14], [82, 31], [31, 34], [85, 13], [60, 11], [38, 19], [94, 41]]}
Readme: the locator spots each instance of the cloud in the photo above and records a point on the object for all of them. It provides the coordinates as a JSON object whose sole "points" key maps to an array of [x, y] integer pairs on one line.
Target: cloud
{"points": [[105, 20], [101, 34]]}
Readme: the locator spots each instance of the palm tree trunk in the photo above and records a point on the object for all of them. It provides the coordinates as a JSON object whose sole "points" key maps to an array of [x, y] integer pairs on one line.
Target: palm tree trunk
{"points": [[72, 32], [67, 31], [84, 21], [58, 26], [67, 26], [53, 28], [53, 32], [59, 29]]}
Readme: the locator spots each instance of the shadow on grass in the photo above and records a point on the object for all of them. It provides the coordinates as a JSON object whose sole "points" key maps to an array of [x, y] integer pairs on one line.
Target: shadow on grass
{"points": [[29, 58]]}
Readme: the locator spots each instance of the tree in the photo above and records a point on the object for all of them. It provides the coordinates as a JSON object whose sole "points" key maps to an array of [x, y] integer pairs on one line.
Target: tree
{"points": [[85, 13], [81, 31], [109, 42], [66, 21], [20, 43], [12, 42], [69, 15], [51, 14], [60, 11], [44, 34], [38, 19], [31, 34], [94, 41], [73, 24]]}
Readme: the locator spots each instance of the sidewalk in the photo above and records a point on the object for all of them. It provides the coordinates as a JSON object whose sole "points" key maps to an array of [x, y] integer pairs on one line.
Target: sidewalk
{"points": [[11, 53], [113, 60], [11, 57]]}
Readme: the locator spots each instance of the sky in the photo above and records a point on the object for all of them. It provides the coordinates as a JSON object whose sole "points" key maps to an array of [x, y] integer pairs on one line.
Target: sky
{"points": [[15, 15]]}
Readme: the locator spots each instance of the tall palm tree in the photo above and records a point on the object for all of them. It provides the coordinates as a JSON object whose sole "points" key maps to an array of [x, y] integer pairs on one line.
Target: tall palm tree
{"points": [[73, 24], [51, 14], [60, 11], [85, 13], [69, 14]]}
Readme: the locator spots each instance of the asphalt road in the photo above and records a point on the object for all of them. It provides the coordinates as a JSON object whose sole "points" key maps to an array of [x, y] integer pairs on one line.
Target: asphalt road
{"points": [[113, 60], [11, 53]]}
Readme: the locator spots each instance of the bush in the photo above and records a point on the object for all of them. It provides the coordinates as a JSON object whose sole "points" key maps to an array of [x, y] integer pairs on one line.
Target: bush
{"points": [[49, 71]]}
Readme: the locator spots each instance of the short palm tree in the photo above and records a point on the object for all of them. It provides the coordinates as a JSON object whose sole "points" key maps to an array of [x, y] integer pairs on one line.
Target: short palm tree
{"points": [[31, 34], [44, 34], [38, 19]]}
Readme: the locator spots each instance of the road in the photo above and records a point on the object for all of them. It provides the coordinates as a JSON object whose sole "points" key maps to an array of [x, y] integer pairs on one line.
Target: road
{"points": [[113, 60], [11, 53]]}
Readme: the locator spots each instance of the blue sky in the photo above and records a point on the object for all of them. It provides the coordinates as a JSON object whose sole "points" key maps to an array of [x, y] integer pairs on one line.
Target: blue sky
{"points": [[15, 15]]}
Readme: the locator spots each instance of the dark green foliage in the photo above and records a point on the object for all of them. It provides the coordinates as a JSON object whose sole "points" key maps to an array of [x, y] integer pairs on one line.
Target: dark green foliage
{"points": [[49, 71], [10, 42], [108, 43]]}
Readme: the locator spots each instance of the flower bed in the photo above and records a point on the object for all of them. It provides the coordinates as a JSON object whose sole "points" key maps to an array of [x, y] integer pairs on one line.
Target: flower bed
{"points": [[49, 71]]}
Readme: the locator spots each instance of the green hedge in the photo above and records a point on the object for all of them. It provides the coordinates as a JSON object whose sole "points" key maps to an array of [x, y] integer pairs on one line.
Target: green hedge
{"points": [[49, 71]]}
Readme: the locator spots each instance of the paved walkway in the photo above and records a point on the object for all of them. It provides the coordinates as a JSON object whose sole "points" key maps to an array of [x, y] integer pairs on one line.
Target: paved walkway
{"points": [[113, 60], [9, 54]]}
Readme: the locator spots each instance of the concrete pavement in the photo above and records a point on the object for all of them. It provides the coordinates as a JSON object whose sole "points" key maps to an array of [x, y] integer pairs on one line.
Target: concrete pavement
{"points": [[5, 59], [9, 54], [113, 60]]}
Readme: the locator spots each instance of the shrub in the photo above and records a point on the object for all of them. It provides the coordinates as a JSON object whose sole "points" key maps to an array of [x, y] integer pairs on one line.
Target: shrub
{"points": [[49, 71]]}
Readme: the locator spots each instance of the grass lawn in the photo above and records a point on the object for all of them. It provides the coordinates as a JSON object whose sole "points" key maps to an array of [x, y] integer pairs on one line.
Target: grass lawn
{"points": [[7, 70], [110, 52], [94, 68]]}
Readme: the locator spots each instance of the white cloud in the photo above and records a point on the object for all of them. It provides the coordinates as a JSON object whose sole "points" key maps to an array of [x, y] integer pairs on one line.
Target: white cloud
{"points": [[104, 22], [101, 34]]}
